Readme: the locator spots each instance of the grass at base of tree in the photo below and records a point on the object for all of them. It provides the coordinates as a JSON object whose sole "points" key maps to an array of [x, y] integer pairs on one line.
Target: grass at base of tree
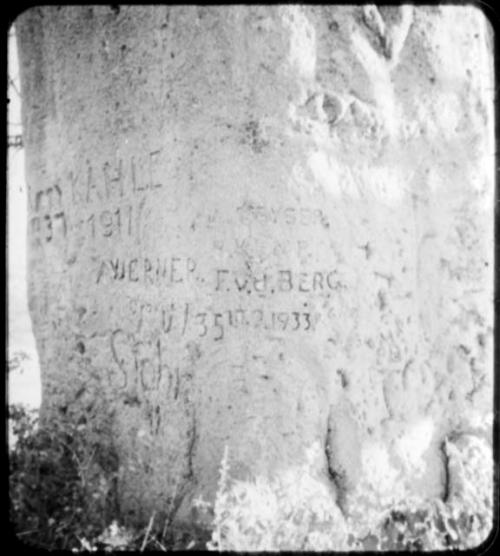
{"points": [[63, 496], [294, 511], [60, 500]]}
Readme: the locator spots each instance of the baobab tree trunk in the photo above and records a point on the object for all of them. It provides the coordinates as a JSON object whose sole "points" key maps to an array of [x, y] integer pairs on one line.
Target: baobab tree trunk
{"points": [[263, 227]]}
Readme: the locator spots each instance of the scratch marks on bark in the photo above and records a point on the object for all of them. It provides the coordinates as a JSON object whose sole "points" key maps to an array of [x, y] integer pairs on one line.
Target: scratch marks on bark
{"points": [[388, 34], [333, 473], [446, 480], [191, 446], [377, 45]]}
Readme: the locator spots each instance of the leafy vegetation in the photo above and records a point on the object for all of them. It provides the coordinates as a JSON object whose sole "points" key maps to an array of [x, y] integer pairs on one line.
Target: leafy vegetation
{"points": [[54, 498], [63, 497], [295, 511]]}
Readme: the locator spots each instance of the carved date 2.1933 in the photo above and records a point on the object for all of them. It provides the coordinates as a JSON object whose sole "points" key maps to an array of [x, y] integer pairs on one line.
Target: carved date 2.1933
{"points": [[217, 324], [185, 319]]}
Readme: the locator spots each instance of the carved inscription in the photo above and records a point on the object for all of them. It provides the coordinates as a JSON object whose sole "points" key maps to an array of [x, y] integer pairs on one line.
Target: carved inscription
{"points": [[49, 221], [112, 223], [47, 199], [290, 216], [186, 319], [139, 347], [279, 281], [142, 363], [136, 175], [95, 185], [388, 349], [164, 318], [173, 270], [216, 324], [47, 227]]}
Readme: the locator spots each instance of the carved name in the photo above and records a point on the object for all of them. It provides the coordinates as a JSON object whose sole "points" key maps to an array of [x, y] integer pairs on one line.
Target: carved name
{"points": [[291, 216], [279, 281], [142, 364], [136, 175], [168, 270]]}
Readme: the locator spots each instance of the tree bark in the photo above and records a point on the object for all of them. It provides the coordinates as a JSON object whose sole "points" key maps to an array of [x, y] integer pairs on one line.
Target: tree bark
{"points": [[263, 227]]}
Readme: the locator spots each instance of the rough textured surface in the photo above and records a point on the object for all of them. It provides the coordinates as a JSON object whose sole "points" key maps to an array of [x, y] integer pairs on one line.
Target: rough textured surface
{"points": [[263, 227]]}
